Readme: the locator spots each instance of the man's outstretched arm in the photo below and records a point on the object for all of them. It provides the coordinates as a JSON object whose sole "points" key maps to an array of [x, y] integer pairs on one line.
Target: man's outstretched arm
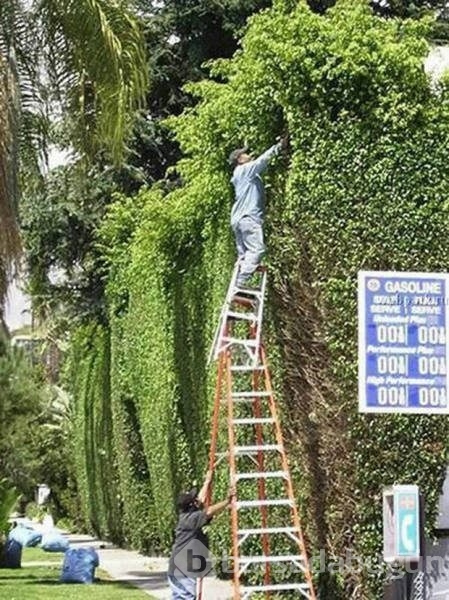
{"points": [[216, 509], [203, 492], [257, 166]]}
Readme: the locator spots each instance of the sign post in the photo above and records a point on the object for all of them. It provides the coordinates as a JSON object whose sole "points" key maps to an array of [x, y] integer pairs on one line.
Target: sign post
{"points": [[403, 342]]}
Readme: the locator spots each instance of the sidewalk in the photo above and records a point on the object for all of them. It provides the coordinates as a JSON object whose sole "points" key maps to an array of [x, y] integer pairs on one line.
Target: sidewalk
{"points": [[146, 573]]}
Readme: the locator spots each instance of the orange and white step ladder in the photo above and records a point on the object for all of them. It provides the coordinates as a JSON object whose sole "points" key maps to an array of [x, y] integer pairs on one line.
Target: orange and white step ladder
{"points": [[269, 557], [234, 310]]}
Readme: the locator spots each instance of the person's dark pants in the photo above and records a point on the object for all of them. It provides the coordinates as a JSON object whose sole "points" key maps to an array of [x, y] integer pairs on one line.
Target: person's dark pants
{"points": [[182, 588]]}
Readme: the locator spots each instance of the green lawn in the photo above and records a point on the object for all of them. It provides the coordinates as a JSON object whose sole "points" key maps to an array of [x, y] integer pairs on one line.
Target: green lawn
{"points": [[39, 556], [34, 582]]}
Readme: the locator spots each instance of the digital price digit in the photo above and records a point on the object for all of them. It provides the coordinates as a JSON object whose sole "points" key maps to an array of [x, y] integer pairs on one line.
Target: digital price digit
{"points": [[431, 396], [394, 365], [432, 365], [391, 396], [431, 335], [391, 334]]}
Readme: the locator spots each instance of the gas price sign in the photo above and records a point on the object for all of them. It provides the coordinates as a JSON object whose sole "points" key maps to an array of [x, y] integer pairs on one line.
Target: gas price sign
{"points": [[403, 342]]}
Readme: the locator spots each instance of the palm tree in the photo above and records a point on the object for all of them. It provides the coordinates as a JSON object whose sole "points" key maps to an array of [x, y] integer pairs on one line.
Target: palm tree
{"points": [[84, 59]]}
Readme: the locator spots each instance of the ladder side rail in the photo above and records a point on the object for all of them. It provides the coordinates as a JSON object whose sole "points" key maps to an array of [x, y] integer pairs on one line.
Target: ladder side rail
{"points": [[213, 445], [261, 482], [258, 332], [233, 478], [218, 330], [286, 468], [220, 334], [215, 419], [222, 323]]}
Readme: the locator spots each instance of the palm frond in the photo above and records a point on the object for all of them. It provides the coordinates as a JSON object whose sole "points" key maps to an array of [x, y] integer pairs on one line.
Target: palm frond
{"points": [[98, 57], [9, 232], [18, 94]]}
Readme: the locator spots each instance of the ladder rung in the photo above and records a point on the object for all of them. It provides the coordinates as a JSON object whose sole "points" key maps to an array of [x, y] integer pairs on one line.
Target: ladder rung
{"points": [[244, 316], [251, 394], [259, 503], [242, 399], [243, 301], [264, 448], [262, 475], [247, 291], [248, 560], [275, 587], [233, 340], [243, 454], [246, 368], [268, 530], [261, 421]]}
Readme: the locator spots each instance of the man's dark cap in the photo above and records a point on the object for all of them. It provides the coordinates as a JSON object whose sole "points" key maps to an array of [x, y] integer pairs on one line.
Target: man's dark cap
{"points": [[234, 156], [186, 499]]}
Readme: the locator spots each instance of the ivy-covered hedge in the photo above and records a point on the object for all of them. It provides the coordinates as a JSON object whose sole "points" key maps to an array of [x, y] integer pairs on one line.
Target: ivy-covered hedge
{"points": [[365, 186], [95, 464]]}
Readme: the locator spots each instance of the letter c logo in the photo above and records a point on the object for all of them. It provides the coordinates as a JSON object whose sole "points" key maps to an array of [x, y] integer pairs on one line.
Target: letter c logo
{"points": [[408, 542]]}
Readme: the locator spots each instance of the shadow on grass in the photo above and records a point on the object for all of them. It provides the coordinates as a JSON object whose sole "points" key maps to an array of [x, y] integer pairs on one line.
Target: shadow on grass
{"points": [[98, 582], [49, 577], [54, 582]]}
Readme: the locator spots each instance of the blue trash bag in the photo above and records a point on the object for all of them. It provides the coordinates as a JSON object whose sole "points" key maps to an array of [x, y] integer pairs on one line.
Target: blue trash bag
{"points": [[25, 536], [12, 555], [79, 565], [53, 541]]}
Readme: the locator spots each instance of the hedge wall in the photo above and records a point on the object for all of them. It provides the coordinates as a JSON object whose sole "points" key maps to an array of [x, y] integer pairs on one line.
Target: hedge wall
{"points": [[96, 474], [365, 186]]}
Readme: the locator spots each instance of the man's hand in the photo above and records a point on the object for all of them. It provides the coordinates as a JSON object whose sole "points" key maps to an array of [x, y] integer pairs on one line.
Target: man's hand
{"points": [[202, 496], [285, 140], [216, 509]]}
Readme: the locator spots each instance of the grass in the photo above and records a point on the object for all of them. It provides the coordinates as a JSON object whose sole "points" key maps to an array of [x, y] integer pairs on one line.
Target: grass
{"points": [[37, 555], [38, 582]]}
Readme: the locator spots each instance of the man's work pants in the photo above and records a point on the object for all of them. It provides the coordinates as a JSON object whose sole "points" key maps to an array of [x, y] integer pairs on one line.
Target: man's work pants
{"points": [[250, 246], [182, 588]]}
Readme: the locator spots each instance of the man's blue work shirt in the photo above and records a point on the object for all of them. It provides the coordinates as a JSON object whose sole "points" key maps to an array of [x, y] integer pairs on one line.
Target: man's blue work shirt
{"points": [[249, 189]]}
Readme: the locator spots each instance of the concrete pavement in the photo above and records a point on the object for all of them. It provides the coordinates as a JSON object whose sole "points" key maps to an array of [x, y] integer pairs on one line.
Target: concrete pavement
{"points": [[148, 574]]}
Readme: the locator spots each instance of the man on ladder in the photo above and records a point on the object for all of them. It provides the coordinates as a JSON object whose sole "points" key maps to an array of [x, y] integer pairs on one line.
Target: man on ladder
{"points": [[248, 211]]}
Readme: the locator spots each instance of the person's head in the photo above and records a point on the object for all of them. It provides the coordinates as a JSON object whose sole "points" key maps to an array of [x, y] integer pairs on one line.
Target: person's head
{"points": [[188, 501], [240, 156]]}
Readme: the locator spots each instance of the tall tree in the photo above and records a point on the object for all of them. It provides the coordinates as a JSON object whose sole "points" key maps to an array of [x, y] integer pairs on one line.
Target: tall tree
{"points": [[396, 8], [182, 36], [88, 56]]}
